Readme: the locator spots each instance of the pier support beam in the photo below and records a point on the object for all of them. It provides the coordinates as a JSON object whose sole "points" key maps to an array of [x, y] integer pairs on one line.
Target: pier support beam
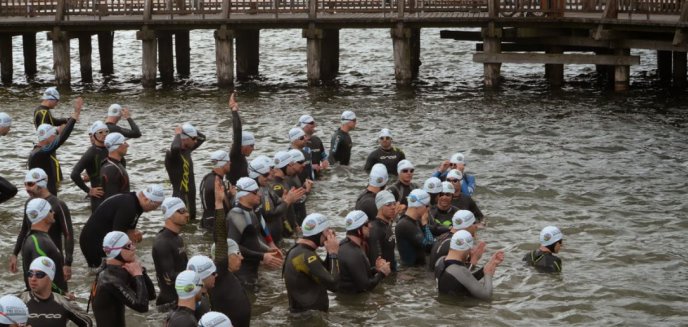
{"points": [[621, 73], [406, 45], [165, 57], [6, 65], [85, 50], [664, 66], [29, 48], [182, 53], [555, 72], [61, 58], [492, 71], [679, 70], [224, 56], [313, 38], [329, 63], [149, 57], [247, 53], [105, 43]]}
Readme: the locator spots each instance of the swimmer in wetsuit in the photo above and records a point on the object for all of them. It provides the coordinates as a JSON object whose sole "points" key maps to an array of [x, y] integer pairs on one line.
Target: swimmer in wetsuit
{"points": [[433, 186], [306, 276], [221, 166], [341, 144], [284, 225], [113, 174], [207, 271], [461, 200], [543, 259], [7, 190], [376, 182], [91, 161], [48, 308], [169, 251], [188, 287], [60, 232], [42, 114], [180, 167], [118, 213], [318, 154], [294, 169], [298, 141], [356, 273], [458, 162], [381, 240], [243, 144], [227, 296], [114, 114], [413, 234], [44, 155], [454, 277], [440, 214], [461, 220], [122, 282], [386, 154], [404, 185], [38, 243]]}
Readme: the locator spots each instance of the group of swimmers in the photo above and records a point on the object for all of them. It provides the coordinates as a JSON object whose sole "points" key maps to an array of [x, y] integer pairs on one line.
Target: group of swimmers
{"points": [[251, 209]]}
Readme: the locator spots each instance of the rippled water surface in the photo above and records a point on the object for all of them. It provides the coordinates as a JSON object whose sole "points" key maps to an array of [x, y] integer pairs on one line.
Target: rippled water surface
{"points": [[610, 170]]}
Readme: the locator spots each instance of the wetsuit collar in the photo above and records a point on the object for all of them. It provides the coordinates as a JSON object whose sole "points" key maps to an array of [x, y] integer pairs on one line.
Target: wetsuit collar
{"points": [[38, 299]]}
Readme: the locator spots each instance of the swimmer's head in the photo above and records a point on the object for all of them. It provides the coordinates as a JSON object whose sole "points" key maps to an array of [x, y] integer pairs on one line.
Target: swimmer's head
{"points": [[552, 238], [378, 176]]}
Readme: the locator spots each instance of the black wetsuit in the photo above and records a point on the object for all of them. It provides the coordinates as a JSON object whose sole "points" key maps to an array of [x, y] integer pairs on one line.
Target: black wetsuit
{"points": [[244, 228], [43, 115], [299, 206], [390, 158], [356, 273], [239, 162], [543, 261], [228, 296], [132, 133], [207, 193], [180, 169], [439, 249], [40, 244], [340, 148], [366, 203], [7, 190], [465, 202], [114, 177], [440, 221], [169, 257], [181, 317], [61, 231], [118, 213], [401, 191], [381, 243], [45, 158], [91, 161], [454, 278], [55, 311], [279, 185], [318, 153], [307, 172], [413, 241], [308, 278], [202, 306], [273, 210], [115, 288]]}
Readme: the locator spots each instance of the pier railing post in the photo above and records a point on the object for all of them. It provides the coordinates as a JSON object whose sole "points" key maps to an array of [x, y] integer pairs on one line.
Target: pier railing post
{"points": [[148, 11], [401, 6], [312, 9], [225, 9], [493, 8]]}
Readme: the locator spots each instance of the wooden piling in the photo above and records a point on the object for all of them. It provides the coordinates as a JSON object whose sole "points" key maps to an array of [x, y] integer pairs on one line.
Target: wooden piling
{"points": [[61, 57], [329, 51], [679, 70], [621, 72], [165, 57], [401, 42], [105, 44], [555, 72], [224, 56], [492, 71], [247, 53], [313, 38], [149, 57], [6, 65], [29, 49], [664, 65], [415, 52], [182, 53], [85, 50]]}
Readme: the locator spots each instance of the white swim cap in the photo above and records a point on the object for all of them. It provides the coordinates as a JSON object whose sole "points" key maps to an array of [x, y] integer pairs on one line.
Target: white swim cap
{"points": [[550, 235], [314, 224], [355, 219], [461, 241]]}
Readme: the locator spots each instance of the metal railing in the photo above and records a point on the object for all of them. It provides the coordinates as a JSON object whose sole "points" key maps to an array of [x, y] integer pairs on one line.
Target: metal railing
{"points": [[506, 8]]}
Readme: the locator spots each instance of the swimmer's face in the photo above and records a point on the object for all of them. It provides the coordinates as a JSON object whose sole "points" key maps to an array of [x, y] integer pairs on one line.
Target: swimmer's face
{"points": [[386, 142], [209, 282], [557, 247], [4, 130], [308, 128], [39, 284], [180, 217], [444, 200], [246, 150], [235, 262]]}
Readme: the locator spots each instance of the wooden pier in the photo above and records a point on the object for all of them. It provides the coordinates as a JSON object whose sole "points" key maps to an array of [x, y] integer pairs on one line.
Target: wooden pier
{"points": [[550, 32]]}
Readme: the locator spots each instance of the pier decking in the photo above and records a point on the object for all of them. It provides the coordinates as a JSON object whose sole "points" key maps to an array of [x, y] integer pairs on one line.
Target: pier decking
{"points": [[599, 32]]}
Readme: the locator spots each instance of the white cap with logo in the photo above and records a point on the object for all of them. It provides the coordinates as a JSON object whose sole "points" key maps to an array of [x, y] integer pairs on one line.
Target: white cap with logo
{"points": [[44, 131], [461, 241], [314, 224], [5, 120], [113, 243], [37, 209], [202, 265], [115, 110], [45, 265], [187, 284], [244, 186], [247, 138], [378, 175], [219, 158], [171, 205], [550, 235], [214, 319], [432, 185], [38, 176], [51, 93], [13, 310], [281, 159], [418, 198], [355, 219], [155, 193], [463, 219], [188, 131], [296, 133], [113, 141]]}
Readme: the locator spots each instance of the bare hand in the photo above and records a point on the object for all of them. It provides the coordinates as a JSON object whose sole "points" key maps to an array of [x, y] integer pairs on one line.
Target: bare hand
{"points": [[13, 264], [400, 208], [331, 242], [324, 164], [133, 268], [424, 218], [67, 271], [219, 192], [70, 296], [444, 166], [232, 102], [96, 192], [382, 266], [86, 178], [293, 195], [308, 184], [135, 235], [498, 258], [272, 260], [125, 113], [477, 252], [78, 104], [178, 129]]}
